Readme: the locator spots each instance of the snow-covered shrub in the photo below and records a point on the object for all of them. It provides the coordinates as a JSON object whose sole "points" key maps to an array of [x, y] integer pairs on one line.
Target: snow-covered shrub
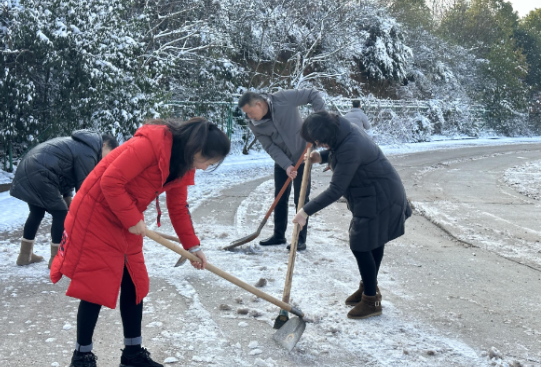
{"points": [[69, 64]]}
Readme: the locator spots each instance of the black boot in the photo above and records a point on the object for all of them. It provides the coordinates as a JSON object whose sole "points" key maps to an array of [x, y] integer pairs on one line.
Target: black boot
{"points": [[139, 359], [83, 359], [300, 246], [273, 241]]}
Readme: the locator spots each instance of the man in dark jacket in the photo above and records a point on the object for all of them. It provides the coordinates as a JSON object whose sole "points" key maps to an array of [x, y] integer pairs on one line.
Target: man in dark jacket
{"points": [[45, 179], [375, 195], [276, 122]]}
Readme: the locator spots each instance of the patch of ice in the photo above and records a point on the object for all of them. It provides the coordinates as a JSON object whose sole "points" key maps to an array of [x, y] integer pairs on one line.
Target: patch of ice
{"points": [[170, 360], [253, 344]]}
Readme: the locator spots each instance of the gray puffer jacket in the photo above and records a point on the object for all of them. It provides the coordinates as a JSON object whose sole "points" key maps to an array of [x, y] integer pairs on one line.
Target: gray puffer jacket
{"points": [[51, 170], [371, 185], [280, 135]]}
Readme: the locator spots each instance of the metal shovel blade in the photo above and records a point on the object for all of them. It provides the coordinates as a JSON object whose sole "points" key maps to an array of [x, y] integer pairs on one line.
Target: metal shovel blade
{"points": [[181, 261], [242, 241], [248, 238], [289, 334]]}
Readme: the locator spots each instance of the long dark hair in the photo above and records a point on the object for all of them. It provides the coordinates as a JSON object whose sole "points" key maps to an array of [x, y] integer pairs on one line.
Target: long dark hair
{"points": [[197, 135], [322, 127]]}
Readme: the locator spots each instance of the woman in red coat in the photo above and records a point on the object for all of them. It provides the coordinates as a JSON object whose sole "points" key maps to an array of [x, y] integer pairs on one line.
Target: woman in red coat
{"points": [[101, 250]]}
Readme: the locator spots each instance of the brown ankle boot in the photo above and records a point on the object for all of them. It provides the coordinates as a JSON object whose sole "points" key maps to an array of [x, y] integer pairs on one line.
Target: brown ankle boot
{"points": [[368, 307], [356, 297], [54, 250], [26, 256]]}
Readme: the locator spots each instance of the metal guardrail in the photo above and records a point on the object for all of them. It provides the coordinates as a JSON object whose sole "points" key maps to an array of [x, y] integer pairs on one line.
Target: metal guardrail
{"points": [[233, 121]]}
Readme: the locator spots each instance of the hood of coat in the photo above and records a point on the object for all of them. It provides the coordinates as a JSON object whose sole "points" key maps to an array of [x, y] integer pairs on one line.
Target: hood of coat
{"points": [[162, 142], [90, 138], [343, 132]]}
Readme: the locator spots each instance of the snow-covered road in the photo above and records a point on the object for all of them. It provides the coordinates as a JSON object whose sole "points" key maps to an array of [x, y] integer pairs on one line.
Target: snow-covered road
{"points": [[438, 297]]}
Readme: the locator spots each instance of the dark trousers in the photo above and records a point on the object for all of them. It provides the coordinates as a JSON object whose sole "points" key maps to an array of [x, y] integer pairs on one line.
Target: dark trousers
{"points": [[131, 313], [281, 210], [369, 263], [34, 220]]}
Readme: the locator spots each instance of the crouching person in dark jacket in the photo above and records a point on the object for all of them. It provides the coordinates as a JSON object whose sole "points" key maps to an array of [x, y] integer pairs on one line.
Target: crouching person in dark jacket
{"points": [[375, 196], [45, 179]]}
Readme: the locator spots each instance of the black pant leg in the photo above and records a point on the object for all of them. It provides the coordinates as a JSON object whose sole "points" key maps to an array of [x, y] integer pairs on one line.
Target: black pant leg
{"points": [[297, 183], [131, 313], [281, 210], [378, 256], [57, 228], [32, 223], [368, 270], [87, 317]]}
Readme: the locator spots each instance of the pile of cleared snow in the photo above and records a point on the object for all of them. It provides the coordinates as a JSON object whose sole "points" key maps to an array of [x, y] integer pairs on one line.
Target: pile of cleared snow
{"points": [[450, 143], [13, 211], [526, 179], [6, 177]]}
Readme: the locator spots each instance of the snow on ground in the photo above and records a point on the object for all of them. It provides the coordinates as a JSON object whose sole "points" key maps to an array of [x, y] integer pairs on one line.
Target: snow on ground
{"points": [[237, 169], [5, 177], [384, 341], [12, 211], [320, 287], [526, 179], [233, 171], [445, 143]]}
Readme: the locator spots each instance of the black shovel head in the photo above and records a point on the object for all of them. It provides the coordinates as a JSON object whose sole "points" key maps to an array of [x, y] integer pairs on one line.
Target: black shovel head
{"points": [[242, 241], [248, 238], [289, 334]]}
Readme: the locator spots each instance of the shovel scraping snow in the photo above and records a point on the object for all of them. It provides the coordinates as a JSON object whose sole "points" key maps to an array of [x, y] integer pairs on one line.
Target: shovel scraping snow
{"points": [[294, 327], [256, 234]]}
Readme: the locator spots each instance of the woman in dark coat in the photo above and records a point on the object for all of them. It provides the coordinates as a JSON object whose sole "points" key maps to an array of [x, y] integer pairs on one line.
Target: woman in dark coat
{"points": [[45, 179], [375, 196]]}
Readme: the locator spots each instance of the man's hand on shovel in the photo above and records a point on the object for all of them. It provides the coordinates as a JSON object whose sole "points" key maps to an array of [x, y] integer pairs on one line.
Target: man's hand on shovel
{"points": [[291, 172]]}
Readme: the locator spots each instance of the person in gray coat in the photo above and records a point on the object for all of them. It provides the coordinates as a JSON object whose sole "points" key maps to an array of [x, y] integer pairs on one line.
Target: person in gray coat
{"points": [[45, 179], [375, 195], [357, 116], [276, 122]]}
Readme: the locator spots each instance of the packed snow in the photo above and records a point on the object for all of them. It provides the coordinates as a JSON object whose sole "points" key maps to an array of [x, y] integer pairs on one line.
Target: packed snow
{"points": [[388, 340]]}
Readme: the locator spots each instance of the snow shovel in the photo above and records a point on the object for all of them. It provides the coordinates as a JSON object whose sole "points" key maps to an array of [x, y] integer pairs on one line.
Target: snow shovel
{"points": [[182, 259], [283, 317], [256, 234], [292, 331]]}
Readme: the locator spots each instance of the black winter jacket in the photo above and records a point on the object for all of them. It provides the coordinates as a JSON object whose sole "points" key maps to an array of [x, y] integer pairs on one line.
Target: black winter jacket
{"points": [[372, 187], [51, 170]]}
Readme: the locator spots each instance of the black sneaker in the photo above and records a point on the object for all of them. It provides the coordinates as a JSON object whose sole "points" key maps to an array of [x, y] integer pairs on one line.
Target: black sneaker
{"points": [[271, 241], [300, 246], [140, 359], [83, 359]]}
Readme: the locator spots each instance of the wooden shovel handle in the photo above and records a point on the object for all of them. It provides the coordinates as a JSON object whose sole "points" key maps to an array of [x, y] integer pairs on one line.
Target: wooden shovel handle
{"points": [[296, 229], [267, 297], [288, 181], [168, 237]]}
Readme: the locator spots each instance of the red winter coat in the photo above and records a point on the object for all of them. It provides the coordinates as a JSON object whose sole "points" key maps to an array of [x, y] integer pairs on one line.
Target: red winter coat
{"points": [[96, 244]]}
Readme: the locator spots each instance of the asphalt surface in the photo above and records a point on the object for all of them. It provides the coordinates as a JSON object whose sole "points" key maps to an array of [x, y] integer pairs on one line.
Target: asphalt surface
{"points": [[468, 267]]}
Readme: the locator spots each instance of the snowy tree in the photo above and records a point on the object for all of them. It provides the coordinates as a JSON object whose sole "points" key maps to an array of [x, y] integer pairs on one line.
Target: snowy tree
{"points": [[74, 64], [487, 27]]}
